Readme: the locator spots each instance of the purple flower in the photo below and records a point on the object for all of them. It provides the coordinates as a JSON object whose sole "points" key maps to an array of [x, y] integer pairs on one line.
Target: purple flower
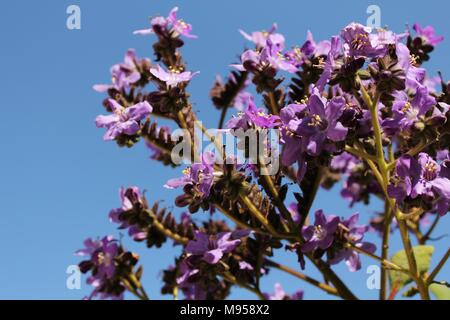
{"points": [[344, 162], [334, 51], [172, 77], [177, 26], [405, 112], [242, 100], [321, 234], [361, 42], [407, 171], [355, 236], [279, 294], [253, 117], [310, 47], [123, 75], [123, 120], [191, 289], [321, 123], [157, 22], [422, 177], [430, 178], [293, 210], [199, 175], [442, 155], [358, 188], [431, 83], [414, 75], [129, 197], [212, 247], [428, 34], [259, 38], [294, 144], [351, 257], [101, 255], [271, 55]]}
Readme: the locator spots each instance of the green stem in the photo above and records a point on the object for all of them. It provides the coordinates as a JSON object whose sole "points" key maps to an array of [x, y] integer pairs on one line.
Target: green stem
{"points": [[323, 267], [273, 192], [361, 154], [385, 249], [381, 162], [384, 262], [412, 260]]}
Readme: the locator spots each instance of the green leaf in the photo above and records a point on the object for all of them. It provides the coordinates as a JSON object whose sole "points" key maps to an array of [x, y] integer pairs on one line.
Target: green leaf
{"points": [[441, 292], [423, 259]]}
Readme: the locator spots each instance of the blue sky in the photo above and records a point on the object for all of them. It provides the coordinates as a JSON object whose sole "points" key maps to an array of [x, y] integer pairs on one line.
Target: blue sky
{"points": [[58, 179]]}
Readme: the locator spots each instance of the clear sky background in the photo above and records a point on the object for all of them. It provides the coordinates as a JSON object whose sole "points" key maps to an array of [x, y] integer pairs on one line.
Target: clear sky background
{"points": [[58, 179]]}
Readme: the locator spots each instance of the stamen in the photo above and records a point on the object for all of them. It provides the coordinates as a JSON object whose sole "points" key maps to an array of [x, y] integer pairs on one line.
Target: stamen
{"points": [[183, 24], [360, 41], [413, 59], [281, 56], [315, 121], [430, 170], [174, 69], [319, 232], [406, 107]]}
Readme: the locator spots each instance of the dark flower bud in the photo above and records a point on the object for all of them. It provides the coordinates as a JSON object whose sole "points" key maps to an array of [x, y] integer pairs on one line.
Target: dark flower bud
{"points": [[345, 74], [389, 76]]}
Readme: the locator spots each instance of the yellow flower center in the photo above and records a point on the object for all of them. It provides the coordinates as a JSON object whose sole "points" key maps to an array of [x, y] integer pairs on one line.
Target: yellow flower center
{"points": [[182, 24], [319, 232], [406, 107], [360, 40], [430, 170], [413, 59], [262, 114], [430, 167], [280, 56], [174, 69], [104, 259], [315, 121], [302, 101]]}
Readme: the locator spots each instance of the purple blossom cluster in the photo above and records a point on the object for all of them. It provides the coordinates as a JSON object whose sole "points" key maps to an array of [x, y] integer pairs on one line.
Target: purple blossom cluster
{"points": [[108, 263], [337, 238], [358, 109], [425, 178]]}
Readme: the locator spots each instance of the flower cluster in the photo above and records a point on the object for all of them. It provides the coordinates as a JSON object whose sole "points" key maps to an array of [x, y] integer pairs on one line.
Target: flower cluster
{"points": [[424, 179], [109, 265], [338, 238], [170, 23], [359, 108]]}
